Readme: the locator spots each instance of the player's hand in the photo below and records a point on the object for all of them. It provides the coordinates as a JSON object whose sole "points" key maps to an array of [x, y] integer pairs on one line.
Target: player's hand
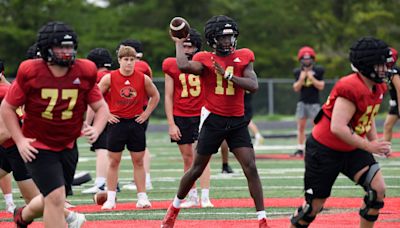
{"points": [[303, 75], [90, 133], [380, 147], [176, 39], [218, 67], [174, 132], [112, 119], [142, 118], [26, 150]]}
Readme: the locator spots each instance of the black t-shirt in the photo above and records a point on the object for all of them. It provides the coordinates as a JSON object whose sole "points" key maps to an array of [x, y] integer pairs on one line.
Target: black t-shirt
{"points": [[308, 93], [392, 89]]}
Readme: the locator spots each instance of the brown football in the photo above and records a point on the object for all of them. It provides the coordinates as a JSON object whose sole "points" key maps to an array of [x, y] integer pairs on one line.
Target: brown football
{"points": [[179, 27], [100, 198]]}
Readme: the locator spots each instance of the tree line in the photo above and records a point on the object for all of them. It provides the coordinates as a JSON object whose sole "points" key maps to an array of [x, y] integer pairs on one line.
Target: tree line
{"points": [[273, 29]]}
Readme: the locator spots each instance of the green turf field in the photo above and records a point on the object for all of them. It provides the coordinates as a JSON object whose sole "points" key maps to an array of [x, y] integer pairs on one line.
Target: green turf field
{"points": [[280, 178]]}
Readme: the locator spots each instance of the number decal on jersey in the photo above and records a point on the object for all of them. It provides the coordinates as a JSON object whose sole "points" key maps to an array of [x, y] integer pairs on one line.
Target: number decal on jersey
{"points": [[194, 83], [365, 121], [66, 94], [220, 90]]}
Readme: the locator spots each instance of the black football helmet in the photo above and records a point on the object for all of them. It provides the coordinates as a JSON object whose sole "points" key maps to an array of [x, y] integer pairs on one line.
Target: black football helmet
{"points": [[56, 34], [101, 57], [137, 45], [220, 26], [33, 52], [194, 39], [367, 52]]}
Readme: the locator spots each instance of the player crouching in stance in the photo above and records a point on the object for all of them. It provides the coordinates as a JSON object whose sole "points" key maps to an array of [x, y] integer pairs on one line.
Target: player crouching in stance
{"points": [[344, 137], [225, 74], [56, 91], [128, 89]]}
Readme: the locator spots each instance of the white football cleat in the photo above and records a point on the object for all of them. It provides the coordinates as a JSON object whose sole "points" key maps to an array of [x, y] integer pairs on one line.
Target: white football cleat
{"points": [[206, 203], [10, 207], [192, 201], [132, 186], [93, 190], [143, 203], [78, 221], [109, 206]]}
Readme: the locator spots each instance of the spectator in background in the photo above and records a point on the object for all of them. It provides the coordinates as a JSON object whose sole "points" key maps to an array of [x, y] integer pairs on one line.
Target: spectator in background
{"points": [[145, 68], [309, 81], [103, 60], [394, 91]]}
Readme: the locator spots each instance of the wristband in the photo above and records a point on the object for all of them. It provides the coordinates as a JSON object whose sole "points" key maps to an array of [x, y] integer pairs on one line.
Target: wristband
{"points": [[228, 76]]}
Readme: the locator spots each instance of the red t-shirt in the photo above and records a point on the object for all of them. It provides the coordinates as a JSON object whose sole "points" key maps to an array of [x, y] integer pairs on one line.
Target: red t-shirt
{"points": [[54, 106], [144, 67], [127, 94], [188, 96], [223, 97], [367, 103]]}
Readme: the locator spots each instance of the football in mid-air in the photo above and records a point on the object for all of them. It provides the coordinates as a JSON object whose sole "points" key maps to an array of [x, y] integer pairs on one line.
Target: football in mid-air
{"points": [[100, 198], [179, 27]]}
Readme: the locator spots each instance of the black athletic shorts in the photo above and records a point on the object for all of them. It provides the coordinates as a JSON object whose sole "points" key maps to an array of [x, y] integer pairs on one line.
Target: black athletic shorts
{"points": [[51, 170], [189, 127], [101, 142], [127, 132], [11, 161], [216, 128], [323, 166], [394, 110]]}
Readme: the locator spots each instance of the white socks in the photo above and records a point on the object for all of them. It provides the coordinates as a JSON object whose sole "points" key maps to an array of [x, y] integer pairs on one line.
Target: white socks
{"points": [[261, 215], [70, 217], [8, 198], [148, 179], [111, 196], [301, 147], [100, 181], [258, 136], [193, 193], [142, 195], [177, 202], [205, 194]]}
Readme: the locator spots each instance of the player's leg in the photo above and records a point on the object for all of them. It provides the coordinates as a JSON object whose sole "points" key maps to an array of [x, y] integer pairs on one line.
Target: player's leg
{"points": [[147, 163], [390, 121], [6, 188], [301, 125], [205, 185], [259, 139], [226, 168]]}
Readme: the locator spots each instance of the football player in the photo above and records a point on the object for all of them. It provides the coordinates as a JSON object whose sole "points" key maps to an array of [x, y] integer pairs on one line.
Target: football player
{"points": [[309, 81], [225, 74], [128, 90], [394, 91], [55, 91], [103, 60], [145, 68], [344, 138], [183, 101]]}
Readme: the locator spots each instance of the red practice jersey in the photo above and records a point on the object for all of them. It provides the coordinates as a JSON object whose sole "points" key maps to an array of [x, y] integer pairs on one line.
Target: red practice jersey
{"points": [[188, 96], [127, 94], [367, 102], [3, 91], [143, 67], [223, 97], [54, 106]]}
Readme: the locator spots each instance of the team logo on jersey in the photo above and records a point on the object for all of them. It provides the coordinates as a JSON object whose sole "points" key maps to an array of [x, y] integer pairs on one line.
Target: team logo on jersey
{"points": [[76, 81], [237, 60], [128, 92], [127, 82], [381, 96]]}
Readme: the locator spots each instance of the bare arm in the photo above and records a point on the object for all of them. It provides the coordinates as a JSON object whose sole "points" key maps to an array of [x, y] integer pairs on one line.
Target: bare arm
{"points": [[173, 130], [319, 84], [300, 82], [4, 133], [342, 113], [154, 98], [184, 65], [101, 114], [25, 148], [105, 83], [396, 84]]}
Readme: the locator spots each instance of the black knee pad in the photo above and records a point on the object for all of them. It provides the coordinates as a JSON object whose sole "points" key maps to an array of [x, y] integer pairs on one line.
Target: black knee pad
{"points": [[371, 202], [303, 214]]}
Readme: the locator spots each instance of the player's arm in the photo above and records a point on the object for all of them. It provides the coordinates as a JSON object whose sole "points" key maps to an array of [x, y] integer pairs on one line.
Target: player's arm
{"points": [[154, 98], [100, 117], [3, 79], [319, 84], [4, 133], [105, 82], [26, 150], [396, 84], [173, 130], [372, 134], [300, 81], [342, 113], [184, 65]]}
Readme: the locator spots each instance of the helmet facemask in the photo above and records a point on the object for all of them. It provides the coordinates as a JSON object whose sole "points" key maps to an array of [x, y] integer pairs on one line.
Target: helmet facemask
{"points": [[63, 55]]}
